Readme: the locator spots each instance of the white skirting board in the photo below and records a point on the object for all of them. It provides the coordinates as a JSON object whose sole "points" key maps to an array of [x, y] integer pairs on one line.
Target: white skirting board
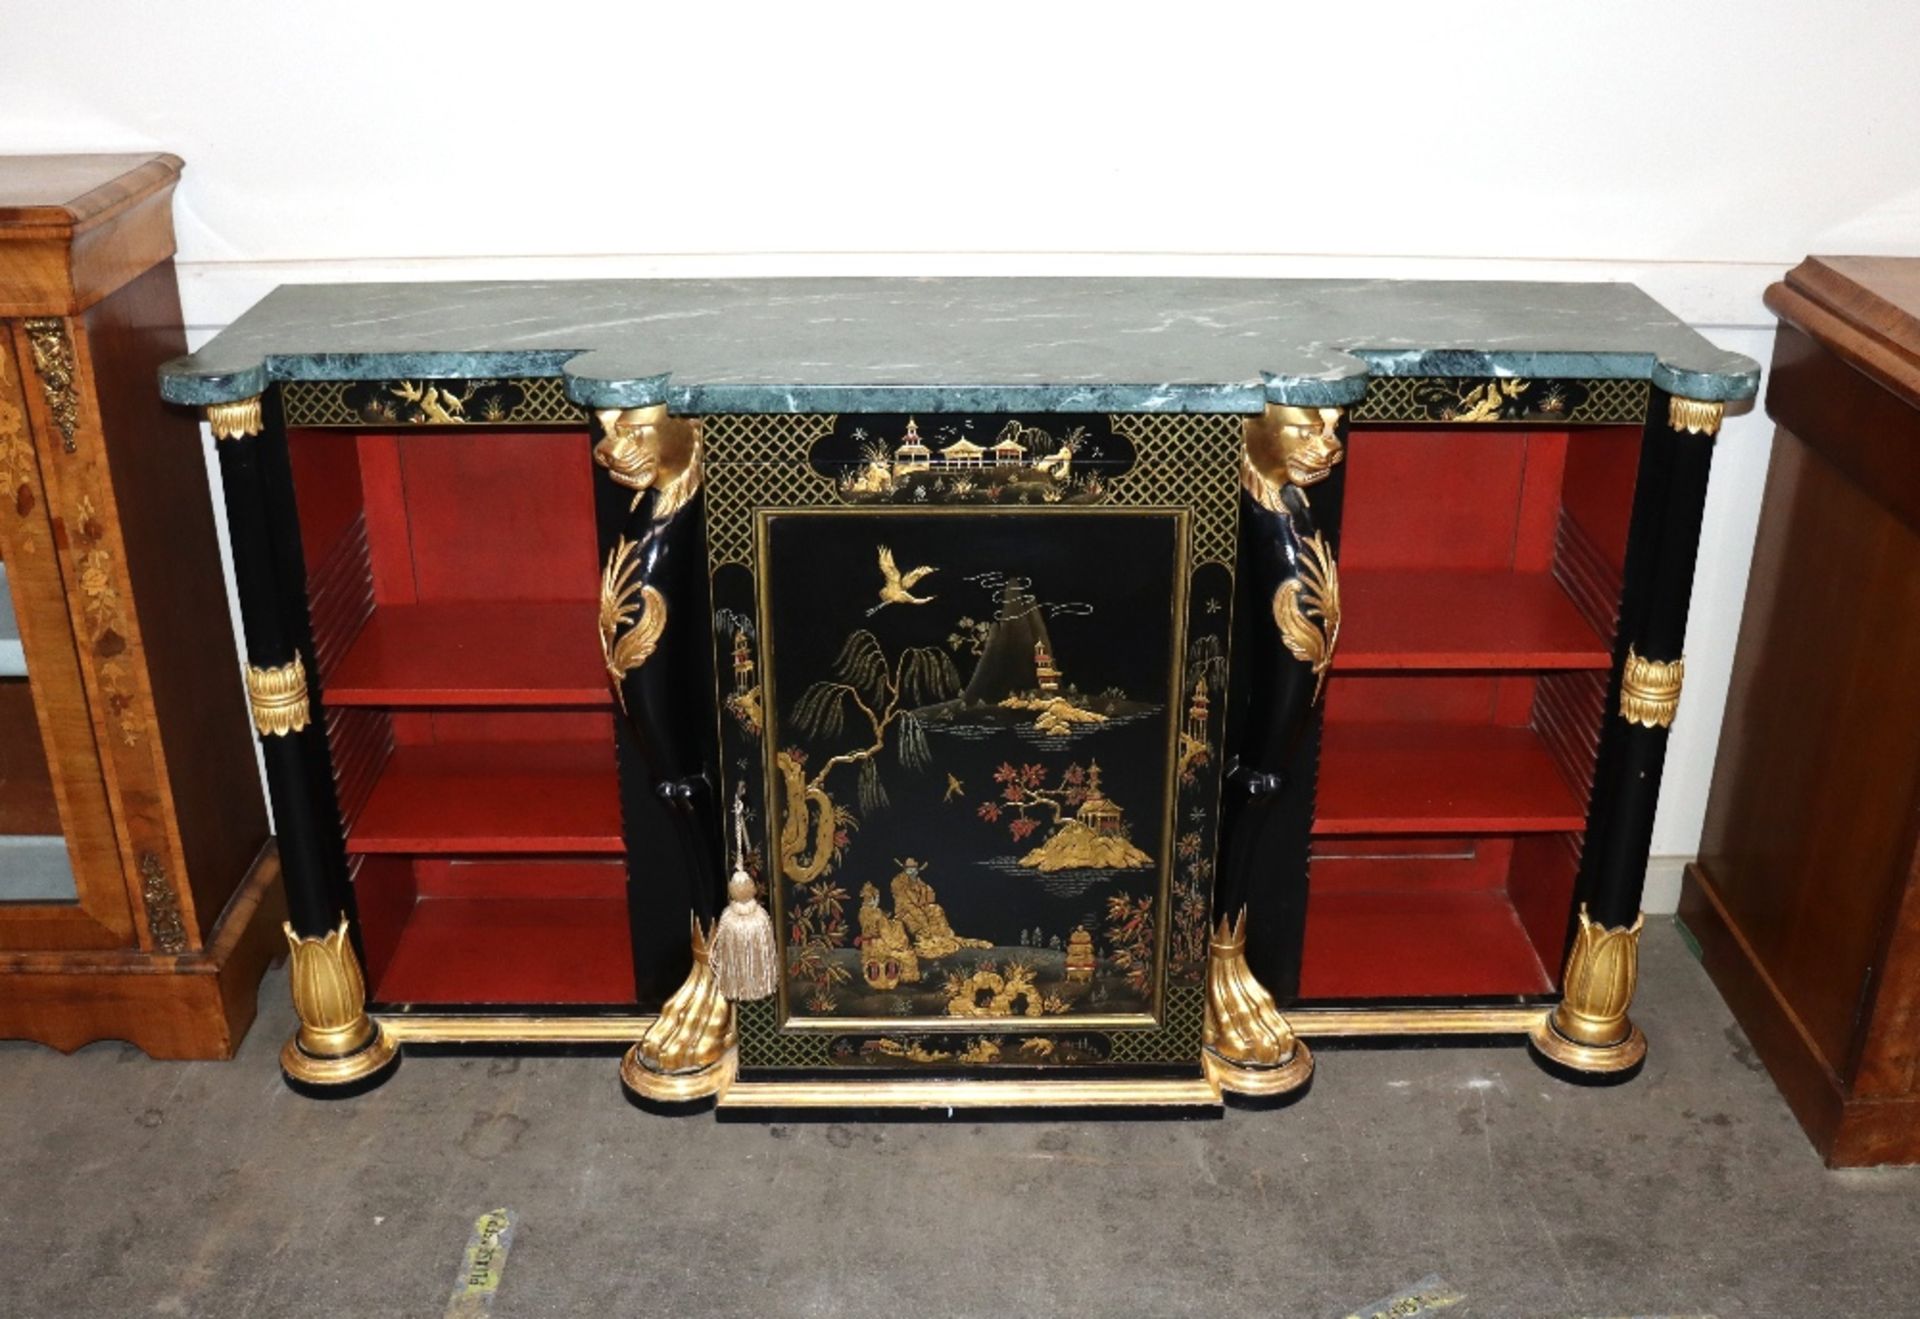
{"points": [[1662, 894]]}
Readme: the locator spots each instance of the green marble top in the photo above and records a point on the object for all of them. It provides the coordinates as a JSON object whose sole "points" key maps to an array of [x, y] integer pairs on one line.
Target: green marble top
{"points": [[958, 345]]}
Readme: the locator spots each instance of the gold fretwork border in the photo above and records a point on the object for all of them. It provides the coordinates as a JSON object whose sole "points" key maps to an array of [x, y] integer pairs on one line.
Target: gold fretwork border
{"points": [[533, 401], [542, 401], [936, 1094], [762, 1039], [759, 460], [810, 1050], [1474, 401], [1181, 460]]}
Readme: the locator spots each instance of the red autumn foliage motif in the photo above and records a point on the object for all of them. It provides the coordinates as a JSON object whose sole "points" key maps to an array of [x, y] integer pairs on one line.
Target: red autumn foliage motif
{"points": [[1130, 937], [1023, 788]]}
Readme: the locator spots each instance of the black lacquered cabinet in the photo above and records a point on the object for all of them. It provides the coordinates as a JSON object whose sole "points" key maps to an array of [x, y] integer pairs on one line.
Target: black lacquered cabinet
{"points": [[1086, 717]]}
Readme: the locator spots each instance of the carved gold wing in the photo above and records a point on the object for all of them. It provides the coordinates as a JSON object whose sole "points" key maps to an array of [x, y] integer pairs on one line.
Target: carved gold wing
{"points": [[633, 616], [1306, 609]]}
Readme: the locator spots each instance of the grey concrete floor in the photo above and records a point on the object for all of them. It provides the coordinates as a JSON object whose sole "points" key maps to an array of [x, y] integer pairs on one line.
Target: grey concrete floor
{"points": [[132, 1187]]}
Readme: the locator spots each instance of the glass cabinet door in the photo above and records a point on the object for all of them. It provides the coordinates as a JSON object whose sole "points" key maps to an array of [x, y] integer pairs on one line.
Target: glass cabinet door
{"points": [[34, 864], [63, 882]]}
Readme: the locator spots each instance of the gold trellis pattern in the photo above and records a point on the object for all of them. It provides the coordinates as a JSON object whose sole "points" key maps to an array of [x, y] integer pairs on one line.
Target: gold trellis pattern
{"points": [[543, 402], [540, 401], [759, 460], [1181, 460], [1186, 460], [1430, 399]]}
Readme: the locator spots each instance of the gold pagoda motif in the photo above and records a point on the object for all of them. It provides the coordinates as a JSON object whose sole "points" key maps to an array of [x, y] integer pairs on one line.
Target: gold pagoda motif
{"points": [[1197, 711], [912, 455], [1080, 956], [1044, 672], [1099, 812]]}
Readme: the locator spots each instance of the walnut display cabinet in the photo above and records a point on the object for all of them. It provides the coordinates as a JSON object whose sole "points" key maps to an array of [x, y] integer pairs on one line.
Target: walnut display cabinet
{"points": [[1806, 896], [137, 880], [861, 695]]}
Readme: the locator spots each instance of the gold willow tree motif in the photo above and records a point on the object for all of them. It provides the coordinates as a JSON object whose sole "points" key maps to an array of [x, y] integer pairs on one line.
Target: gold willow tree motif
{"points": [[1306, 609], [875, 688], [627, 602]]}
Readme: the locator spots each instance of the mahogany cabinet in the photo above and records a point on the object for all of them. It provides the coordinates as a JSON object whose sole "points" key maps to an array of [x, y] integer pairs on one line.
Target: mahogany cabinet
{"points": [[138, 895], [1806, 895], [942, 694]]}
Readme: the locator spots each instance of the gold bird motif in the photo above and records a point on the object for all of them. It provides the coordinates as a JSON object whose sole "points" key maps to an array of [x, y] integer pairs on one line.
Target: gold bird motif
{"points": [[897, 588], [954, 789]]}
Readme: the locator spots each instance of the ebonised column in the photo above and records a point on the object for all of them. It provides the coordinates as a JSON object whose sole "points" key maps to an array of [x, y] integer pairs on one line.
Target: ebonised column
{"points": [[655, 636], [1287, 626], [337, 1047], [1590, 1032]]}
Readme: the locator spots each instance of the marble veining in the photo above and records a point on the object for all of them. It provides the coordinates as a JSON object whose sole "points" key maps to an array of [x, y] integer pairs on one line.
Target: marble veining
{"points": [[958, 344]]}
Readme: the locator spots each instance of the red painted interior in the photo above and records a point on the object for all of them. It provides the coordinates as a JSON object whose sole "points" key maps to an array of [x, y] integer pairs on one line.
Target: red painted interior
{"points": [[1430, 619], [481, 656], [1501, 699], [461, 727], [326, 483], [462, 931], [1418, 943], [1599, 489], [1451, 497], [474, 653], [1440, 778], [493, 797], [1446, 838], [484, 515]]}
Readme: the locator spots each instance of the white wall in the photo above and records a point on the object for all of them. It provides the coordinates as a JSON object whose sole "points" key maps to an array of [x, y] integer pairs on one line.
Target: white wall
{"points": [[1696, 147]]}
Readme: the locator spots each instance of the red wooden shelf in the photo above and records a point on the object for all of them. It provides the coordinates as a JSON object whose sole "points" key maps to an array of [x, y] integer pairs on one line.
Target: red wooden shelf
{"points": [[1415, 944], [511, 950], [1440, 778], [1450, 619], [474, 653], [491, 797]]}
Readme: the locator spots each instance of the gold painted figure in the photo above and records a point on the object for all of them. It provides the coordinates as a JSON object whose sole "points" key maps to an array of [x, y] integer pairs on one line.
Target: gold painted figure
{"points": [[887, 957], [915, 906]]}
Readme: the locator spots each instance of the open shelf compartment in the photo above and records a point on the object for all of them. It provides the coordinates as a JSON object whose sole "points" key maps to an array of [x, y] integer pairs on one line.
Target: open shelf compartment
{"points": [[1481, 569], [474, 654], [1469, 916], [493, 797], [470, 931], [453, 583]]}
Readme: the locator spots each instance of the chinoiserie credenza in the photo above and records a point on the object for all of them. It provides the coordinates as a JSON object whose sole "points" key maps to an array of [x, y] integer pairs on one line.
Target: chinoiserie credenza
{"points": [[138, 895], [959, 694]]}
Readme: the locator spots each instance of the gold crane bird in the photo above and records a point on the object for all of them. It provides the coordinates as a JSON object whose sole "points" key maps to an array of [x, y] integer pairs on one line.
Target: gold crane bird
{"points": [[897, 588]]}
